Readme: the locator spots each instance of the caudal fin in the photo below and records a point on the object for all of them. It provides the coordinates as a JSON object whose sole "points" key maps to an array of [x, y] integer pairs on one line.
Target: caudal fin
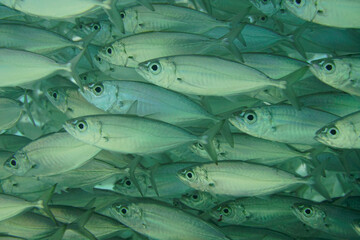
{"points": [[44, 201], [290, 80], [207, 140], [114, 15]]}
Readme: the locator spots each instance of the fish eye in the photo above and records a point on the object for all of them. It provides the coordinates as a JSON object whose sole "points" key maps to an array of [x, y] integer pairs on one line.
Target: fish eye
{"points": [[81, 126], [195, 197], [333, 132], [55, 95], [98, 59], [128, 182], [200, 146], [263, 18], [189, 175], [226, 211], [250, 117], [122, 14], [155, 68], [329, 67], [299, 3], [308, 211], [98, 89], [96, 27], [123, 211], [109, 50], [12, 163]]}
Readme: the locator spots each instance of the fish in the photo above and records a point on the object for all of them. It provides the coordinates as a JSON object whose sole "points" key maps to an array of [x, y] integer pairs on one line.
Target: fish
{"points": [[17, 36], [160, 221], [132, 50], [340, 72], [251, 233], [251, 149], [335, 220], [207, 76], [67, 9], [19, 67], [50, 155], [145, 100], [329, 13], [70, 102], [132, 134], [238, 179], [337, 103], [257, 212], [341, 133], [282, 123]]}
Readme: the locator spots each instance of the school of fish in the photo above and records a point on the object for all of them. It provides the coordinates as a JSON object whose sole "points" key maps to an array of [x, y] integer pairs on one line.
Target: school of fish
{"points": [[180, 119]]}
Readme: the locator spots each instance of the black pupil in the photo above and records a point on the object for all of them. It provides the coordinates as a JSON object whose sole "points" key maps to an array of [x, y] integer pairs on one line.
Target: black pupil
{"points": [[128, 183], [154, 67], [13, 162], [263, 18], [307, 211], [55, 95], [96, 27], [328, 67], [195, 196], [298, 1], [124, 211], [200, 145], [98, 89], [99, 59], [85, 78], [81, 125], [122, 15], [226, 210], [189, 175], [109, 50], [250, 117], [333, 132]]}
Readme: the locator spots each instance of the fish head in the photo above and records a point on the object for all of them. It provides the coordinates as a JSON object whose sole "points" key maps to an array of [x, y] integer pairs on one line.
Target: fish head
{"points": [[198, 148], [128, 213], [102, 65], [310, 214], [114, 54], [161, 72], [88, 77], [126, 186], [85, 129], [132, 23], [253, 121], [103, 29], [305, 9], [195, 177], [337, 134], [268, 7], [196, 200], [101, 94], [18, 164], [58, 97], [335, 72], [230, 213]]}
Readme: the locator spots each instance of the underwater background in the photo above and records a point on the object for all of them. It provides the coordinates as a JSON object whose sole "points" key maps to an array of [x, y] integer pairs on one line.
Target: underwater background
{"points": [[179, 119]]}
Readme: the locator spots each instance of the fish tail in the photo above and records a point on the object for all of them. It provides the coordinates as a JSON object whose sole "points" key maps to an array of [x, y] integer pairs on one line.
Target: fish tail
{"points": [[294, 37], [71, 67], [207, 140], [228, 40], [44, 201], [114, 15], [290, 79], [78, 225], [315, 181]]}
